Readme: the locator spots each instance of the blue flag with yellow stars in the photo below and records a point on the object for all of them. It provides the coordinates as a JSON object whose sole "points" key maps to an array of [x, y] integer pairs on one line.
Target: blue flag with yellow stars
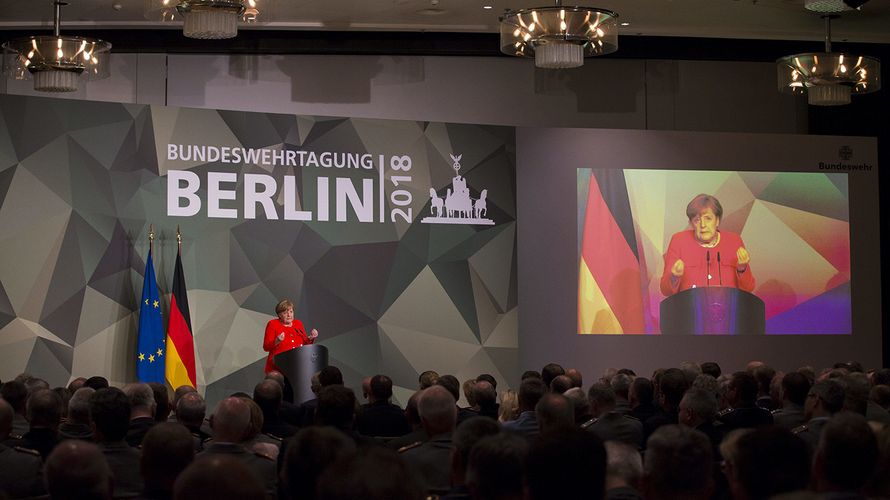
{"points": [[150, 349]]}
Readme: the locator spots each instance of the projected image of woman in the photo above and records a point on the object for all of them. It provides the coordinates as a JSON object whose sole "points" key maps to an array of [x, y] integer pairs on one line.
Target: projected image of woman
{"points": [[704, 255]]}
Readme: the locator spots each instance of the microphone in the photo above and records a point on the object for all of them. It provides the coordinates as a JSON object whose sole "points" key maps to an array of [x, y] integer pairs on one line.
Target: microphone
{"points": [[708, 258], [719, 274]]}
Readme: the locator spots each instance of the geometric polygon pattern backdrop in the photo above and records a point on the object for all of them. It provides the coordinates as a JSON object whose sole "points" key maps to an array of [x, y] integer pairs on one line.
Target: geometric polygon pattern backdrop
{"points": [[795, 226], [80, 182]]}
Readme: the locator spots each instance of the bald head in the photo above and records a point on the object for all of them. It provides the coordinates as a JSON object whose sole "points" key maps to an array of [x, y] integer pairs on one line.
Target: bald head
{"points": [[217, 476], [44, 409], [276, 376], [230, 421], [77, 470], [268, 394], [437, 409], [554, 411]]}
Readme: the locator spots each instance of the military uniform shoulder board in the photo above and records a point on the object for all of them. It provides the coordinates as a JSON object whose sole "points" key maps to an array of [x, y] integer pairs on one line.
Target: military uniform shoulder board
{"points": [[276, 438], [29, 451], [776, 411], [15, 436], [410, 446], [800, 428], [724, 412], [587, 424]]}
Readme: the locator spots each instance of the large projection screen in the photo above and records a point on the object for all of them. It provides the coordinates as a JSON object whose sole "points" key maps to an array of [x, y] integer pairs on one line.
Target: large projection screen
{"points": [[805, 205]]}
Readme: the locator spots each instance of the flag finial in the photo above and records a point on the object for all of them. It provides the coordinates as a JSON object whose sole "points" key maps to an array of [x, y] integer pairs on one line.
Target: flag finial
{"points": [[178, 236]]}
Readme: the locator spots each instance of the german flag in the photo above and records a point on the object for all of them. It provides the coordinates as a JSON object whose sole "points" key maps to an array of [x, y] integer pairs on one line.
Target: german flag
{"points": [[180, 368]]}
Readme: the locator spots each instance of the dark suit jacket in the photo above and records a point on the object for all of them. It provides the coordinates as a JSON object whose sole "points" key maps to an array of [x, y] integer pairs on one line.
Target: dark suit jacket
{"points": [[382, 419]]}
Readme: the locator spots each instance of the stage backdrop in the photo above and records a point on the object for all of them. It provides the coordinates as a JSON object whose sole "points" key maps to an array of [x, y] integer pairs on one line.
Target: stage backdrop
{"points": [[395, 239]]}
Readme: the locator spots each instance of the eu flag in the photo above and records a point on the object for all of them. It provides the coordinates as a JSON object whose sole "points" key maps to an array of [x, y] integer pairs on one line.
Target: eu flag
{"points": [[150, 349]]}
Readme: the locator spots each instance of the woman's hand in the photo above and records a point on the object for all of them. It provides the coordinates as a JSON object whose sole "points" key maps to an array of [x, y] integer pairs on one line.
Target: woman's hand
{"points": [[279, 338], [313, 334]]}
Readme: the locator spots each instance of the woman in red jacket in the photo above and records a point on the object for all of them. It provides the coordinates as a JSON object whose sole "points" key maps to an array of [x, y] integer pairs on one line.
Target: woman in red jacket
{"points": [[284, 333]]}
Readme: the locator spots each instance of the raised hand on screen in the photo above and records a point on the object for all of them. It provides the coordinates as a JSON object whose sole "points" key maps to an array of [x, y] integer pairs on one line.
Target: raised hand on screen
{"points": [[678, 268], [743, 258], [313, 334]]}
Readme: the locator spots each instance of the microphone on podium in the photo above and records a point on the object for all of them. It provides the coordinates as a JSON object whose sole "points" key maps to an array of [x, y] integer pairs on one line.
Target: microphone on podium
{"points": [[719, 274], [708, 258]]}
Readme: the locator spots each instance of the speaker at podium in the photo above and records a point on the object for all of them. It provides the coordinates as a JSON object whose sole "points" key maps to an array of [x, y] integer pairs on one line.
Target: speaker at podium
{"points": [[714, 310], [299, 364]]}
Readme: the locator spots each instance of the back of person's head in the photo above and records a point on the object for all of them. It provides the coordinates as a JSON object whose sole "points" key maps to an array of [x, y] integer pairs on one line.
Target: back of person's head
{"points": [[580, 403], [179, 393], [191, 410], [488, 378], [575, 375], [643, 391], [308, 454], [96, 382], [700, 404], [602, 398], [691, 369], [711, 368], [76, 384], [230, 421], [277, 376], [77, 470], [167, 449], [467, 435], [437, 410], [530, 374], [411, 412], [560, 384], [467, 389], [550, 372], [678, 464], [881, 377], [673, 385], [142, 398], [744, 385], [427, 378], [330, 375], [620, 384], [34, 384], [530, 392], [256, 420], [79, 406], [831, 394], [6, 416], [856, 387], [484, 394], [764, 375], [554, 411], [162, 401], [496, 467], [450, 383], [376, 474], [336, 407], [847, 453], [381, 387], [552, 474], [268, 396], [795, 387], [707, 383], [623, 464], [64, 397], [110, 411], [44, 409], [880, 395], [213, 477], [769, 461], [15, 393]]}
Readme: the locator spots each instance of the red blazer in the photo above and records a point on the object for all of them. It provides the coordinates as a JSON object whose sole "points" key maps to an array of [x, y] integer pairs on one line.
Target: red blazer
{"points": [[685, 247], [294, 336]]}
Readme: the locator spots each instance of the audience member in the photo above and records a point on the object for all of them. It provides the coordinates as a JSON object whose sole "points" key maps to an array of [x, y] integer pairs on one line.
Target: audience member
{"points": [[377, 474], [550, 372], [44, 411], [110, 411], [560, 384], [530, 374], [64, 397], [509, 408], [380, 417], [268, 395], [167, 449], [620, 385], [642, 399], [551, 475], [229, 425], [575, 375], [526, 424], [698, 410], [77, 470], [289, 412], [678, 464], [609, 424], [824, 400], [163, 405], [795, 387], [190, 412], [846, 456], [418, 433], [430, 459], [554, 411], [711, 368], [76, 384], [486, 399], [15, 393], [142, 411], [467, 389], [880, 395], [21, 470], [487, 377], [96, 383], [580, 404], [764, 376], [78, 424], [214, 477], [741, 394], [336, 408], [427, 379], [769, 461], [671, 387], [329, 375], [496, 467], [464, 439], [624, 470], [308, 454], [691, 369]]}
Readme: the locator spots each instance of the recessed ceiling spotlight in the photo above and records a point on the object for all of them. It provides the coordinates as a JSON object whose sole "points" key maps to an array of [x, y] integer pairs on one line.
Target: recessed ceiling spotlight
{"points": [[486, 7], [625, 24]]}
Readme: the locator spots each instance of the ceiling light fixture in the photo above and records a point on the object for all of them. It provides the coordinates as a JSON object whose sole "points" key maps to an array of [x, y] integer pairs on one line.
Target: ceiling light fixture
{"points": [[56, 62], [828, 78], [557, 36]]}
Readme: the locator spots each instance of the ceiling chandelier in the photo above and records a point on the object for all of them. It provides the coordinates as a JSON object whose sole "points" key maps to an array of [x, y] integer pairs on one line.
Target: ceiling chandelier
{"points": [[557, 36], [56, 62], [206, 19], [828, 78]]}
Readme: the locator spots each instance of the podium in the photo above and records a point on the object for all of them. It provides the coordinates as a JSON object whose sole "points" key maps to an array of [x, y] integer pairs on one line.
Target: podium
{"points": [[714, 310], [299, 364]]}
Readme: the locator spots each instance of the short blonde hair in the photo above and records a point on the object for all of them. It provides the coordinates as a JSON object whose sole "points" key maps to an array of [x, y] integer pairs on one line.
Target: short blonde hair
{"points": [[284, 305]]}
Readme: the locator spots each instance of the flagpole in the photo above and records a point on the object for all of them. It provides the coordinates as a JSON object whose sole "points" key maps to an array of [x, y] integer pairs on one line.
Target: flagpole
{"points": [[151, 237], [178, 239]]}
